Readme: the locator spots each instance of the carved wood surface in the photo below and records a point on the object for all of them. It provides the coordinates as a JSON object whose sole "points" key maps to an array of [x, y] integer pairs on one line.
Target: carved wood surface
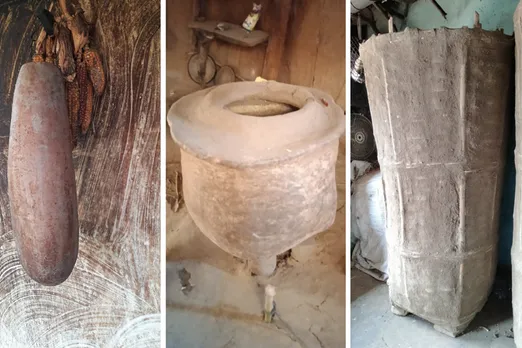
{"points": [[112, 298]]}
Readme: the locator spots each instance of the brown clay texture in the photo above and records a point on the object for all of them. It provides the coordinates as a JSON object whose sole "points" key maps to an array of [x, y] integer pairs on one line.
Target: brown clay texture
{"points": [[258, 185], [438, 100], [516, 249], [42, 189]]}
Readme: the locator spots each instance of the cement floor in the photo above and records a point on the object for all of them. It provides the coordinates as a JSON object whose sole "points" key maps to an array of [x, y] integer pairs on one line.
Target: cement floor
{"points": [[224, 309], [374, 326]]}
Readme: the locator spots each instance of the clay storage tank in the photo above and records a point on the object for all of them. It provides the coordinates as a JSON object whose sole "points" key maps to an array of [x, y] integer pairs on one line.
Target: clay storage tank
{"points": [[438, 100], [516, 249], [258, 165]]}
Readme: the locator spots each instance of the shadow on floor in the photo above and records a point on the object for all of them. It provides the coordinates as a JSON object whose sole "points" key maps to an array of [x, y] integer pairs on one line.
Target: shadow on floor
{"points": [[361, 283], [374, 326], [499, 308]]}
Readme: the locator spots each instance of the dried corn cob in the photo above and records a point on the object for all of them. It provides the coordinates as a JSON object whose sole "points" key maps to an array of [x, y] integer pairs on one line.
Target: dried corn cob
{"points": [[85, 117], [86, 97], [95, 69], [49, 49], [38, 58], [83, 81], [73, 107]]}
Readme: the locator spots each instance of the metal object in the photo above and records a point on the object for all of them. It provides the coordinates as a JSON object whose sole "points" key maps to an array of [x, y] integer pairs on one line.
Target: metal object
{"points": [[224, 75], [194, 69], [439, 8], [357, 72], [201, 61], [362, 141]]}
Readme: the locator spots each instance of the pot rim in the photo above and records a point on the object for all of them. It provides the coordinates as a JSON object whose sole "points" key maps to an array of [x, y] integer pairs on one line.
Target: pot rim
{"points": [[202, 125]]}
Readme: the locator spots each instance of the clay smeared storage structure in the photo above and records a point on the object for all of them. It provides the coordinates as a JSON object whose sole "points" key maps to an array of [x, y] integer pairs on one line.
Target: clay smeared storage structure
{"points": [[438, 101], [258, 165], [516, 249]]}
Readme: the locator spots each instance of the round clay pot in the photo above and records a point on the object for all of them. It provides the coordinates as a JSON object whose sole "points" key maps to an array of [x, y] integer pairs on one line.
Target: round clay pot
{"points": [[258, 165]]}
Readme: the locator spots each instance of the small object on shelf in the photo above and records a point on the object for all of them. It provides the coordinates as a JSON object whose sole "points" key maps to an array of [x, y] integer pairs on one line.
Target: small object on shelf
{"points": [[234, 34], [251, 21], [222, 26]]}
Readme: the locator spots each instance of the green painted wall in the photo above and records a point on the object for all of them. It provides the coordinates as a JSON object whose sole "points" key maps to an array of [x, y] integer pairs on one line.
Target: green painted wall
{"points": [[494, 14]]}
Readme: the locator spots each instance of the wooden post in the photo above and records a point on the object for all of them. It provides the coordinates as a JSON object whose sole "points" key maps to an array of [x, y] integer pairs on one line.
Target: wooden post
{"points": [[476, 21], [276, 42], [198, 10]]}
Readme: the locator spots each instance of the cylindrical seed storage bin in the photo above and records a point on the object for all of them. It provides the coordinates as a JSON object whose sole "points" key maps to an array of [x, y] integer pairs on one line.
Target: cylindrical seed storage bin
{"points": [[258, 165], [438, 100]]}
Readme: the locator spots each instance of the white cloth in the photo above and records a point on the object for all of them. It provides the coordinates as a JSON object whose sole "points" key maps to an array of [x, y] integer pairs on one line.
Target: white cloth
{"points": [[369, 225]]}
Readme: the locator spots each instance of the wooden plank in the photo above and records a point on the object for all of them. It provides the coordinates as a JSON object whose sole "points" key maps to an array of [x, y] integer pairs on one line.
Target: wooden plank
{"points": [[234, 34], [222, 10], [113, 294], [279, 19], [179, 45], [330, 63], [302, 43], [314, 53]]}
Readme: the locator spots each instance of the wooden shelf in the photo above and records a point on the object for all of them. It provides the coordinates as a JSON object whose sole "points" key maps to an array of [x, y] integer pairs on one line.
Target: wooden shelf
{"points": [[235, 34]]}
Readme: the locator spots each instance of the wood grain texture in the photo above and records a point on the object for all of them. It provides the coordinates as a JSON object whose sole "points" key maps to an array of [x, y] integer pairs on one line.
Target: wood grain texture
{"points": [[179, 46], [276, 43], [112, 298]]}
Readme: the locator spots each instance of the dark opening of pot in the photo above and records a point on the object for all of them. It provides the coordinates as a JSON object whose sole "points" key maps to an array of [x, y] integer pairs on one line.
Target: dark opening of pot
{"points": [[260, 107]]}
